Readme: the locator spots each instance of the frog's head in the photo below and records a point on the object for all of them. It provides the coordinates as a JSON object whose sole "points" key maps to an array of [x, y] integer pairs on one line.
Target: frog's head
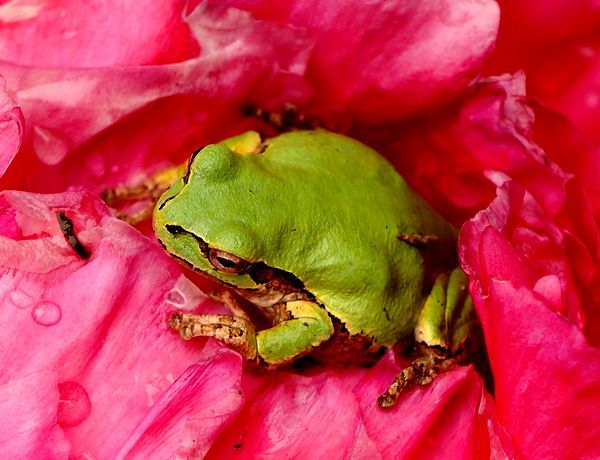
{"points": [[195, 220]]}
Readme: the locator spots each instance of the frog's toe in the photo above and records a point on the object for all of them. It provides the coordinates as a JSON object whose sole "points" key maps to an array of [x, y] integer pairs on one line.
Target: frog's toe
{"points": [[176, 321], [186, 332]]}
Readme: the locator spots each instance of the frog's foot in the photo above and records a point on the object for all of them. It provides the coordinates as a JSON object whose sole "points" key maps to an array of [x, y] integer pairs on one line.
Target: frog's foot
{"points": [[421, 372], [289, 119], [149, 191], [234, 331]]}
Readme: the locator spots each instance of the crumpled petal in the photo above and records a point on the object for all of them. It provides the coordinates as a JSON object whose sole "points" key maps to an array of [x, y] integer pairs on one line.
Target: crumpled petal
{"points": [[101, 325], [28, 408], [457, 159], [573, 151], [546, 373], [381, 60]]}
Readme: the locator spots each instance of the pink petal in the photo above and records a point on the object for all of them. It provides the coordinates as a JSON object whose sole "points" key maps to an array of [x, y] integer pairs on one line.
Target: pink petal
{"points": [[11, 129], [382, 61], [28, 426], [100, 324], [94, 34], [438, 421], [289, 413], [187, 418]]}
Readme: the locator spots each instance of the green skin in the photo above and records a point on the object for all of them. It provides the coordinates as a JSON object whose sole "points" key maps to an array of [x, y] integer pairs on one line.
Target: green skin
{"points": [[328, 210]]}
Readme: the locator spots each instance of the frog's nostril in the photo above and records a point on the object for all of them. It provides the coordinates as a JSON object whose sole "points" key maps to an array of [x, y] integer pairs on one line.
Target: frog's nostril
{"points": [[175, 229]]}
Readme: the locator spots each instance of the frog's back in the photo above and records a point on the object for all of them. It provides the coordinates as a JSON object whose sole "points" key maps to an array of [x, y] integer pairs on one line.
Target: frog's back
{"points": [[333, 209]]}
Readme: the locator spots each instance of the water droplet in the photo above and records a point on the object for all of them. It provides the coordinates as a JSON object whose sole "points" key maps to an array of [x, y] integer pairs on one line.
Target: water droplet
{"points": [[175, 297], [46, 313], [185, 294], [74, 404], [21, 299]]}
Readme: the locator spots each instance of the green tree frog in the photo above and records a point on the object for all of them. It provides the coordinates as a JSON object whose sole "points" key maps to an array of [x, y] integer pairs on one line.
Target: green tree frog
{"points": [[320, 233]]}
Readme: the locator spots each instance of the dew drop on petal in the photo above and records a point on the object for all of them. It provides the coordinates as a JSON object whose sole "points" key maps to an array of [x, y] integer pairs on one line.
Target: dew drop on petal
{"points": [[175, 297], [185, 294], [46, 313], [21, 299], [74, 404]]}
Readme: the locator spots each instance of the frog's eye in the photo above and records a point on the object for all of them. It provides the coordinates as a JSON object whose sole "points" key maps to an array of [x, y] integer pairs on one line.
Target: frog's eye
{"points": [[228, 263]]}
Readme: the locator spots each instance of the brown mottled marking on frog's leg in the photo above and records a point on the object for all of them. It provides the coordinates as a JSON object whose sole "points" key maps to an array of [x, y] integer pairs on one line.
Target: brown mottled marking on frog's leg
{"points": [[422, 371], [151, 189], [234, 331], [415, 239], [286, 120]]}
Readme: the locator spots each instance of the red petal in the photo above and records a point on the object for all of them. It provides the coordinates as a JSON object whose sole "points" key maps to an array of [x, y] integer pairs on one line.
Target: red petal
{"points": [[396, 59], [287, 412], [558, 45], [99, 127], [544, 370], [457, 158]]}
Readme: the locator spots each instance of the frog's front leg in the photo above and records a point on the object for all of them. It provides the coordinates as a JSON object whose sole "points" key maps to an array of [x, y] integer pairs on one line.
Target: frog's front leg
{"points": [[309, 326], [235, 331], [440, 335]]}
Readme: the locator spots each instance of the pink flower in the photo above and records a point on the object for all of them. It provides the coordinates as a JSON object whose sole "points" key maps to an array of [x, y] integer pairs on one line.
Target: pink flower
{"points": [[111, 93]]}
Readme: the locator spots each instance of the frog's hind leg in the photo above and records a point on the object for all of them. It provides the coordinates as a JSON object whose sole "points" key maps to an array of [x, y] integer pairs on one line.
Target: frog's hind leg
{"points": [[441, 335], [150, 191], [234, 331], [421, 372]]}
